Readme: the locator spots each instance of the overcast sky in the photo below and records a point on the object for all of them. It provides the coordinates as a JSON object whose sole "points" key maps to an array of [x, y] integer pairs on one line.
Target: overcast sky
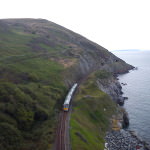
{"points": [[114, 24]]}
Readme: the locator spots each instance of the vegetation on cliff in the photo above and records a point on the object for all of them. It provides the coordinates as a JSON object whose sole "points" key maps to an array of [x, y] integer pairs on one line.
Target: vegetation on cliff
{"points": [[90, 119]]}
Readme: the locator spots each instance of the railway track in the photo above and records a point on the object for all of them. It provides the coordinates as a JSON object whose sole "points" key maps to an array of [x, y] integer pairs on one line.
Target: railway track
{"points": [[62, 140], [61, 134]]}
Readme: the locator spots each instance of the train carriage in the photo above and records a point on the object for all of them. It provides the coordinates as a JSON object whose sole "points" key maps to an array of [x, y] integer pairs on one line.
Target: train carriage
{"points": [[68, 97]]}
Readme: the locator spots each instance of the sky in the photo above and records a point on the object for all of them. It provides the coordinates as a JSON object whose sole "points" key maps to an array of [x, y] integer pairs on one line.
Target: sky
{"points": [[113, 24]]}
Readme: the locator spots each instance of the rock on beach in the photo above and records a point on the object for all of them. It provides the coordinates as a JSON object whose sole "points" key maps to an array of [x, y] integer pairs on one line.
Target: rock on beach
{"points": [[123, 140]]}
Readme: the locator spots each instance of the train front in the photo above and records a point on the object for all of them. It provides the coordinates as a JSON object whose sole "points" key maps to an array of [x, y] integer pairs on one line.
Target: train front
{"points": [[66, 107]]}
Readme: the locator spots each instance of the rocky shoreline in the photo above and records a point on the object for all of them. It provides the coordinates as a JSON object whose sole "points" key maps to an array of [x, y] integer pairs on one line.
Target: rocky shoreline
{"points": [[122, 139], [113, 88]]}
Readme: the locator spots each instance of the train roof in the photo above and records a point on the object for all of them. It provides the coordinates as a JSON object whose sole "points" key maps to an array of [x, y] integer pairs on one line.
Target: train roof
{"points": [[69, 95]]}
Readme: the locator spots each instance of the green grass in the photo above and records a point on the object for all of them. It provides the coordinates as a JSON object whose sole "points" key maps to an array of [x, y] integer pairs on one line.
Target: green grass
{"points": [[89, 119], [12, 43], [102, 74], [31, 92], [32, 87]]}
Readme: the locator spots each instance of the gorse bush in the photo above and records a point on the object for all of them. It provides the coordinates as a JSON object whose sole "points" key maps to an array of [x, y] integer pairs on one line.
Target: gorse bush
{"points": [[102, 74], [41, 114], [28, 97], [11, 142]]}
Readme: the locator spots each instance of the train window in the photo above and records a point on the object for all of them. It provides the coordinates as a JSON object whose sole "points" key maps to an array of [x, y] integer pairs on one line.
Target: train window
{"points": [[66, 105]]}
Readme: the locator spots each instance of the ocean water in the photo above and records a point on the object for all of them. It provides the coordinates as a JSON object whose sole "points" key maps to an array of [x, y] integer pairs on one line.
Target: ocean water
{"points": [[138, 91]]}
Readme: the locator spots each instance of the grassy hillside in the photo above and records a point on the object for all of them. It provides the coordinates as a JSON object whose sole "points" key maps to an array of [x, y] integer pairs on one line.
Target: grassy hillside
{"points": [[31, 92], [39, 61], [91, 115]]}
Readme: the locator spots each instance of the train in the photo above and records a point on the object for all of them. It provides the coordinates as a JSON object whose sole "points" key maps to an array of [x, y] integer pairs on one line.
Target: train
{"points": [[68, 97]]}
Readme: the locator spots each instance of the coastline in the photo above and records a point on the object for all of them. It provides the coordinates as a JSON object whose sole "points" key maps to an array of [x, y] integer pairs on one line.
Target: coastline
{"points": [[123, 137]]}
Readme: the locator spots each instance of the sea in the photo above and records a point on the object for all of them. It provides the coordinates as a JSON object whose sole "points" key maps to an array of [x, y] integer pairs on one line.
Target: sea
{"points": [[137, 90]]}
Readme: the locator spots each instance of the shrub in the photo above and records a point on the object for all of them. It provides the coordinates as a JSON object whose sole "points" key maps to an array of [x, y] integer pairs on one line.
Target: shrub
{"points": [[41, 114], [24, 117], [6, 91], [102, 74], [33, 77], [10, 137], [6, 118]]}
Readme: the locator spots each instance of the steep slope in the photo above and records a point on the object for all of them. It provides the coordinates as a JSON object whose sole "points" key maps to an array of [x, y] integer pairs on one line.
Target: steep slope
{"points": [[94, 107], [90, 119], [39, 61]]}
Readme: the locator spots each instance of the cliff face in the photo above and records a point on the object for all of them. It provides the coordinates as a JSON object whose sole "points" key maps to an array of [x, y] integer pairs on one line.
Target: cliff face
{"points": [[94, 60], [77, 54], [112, 87]]}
